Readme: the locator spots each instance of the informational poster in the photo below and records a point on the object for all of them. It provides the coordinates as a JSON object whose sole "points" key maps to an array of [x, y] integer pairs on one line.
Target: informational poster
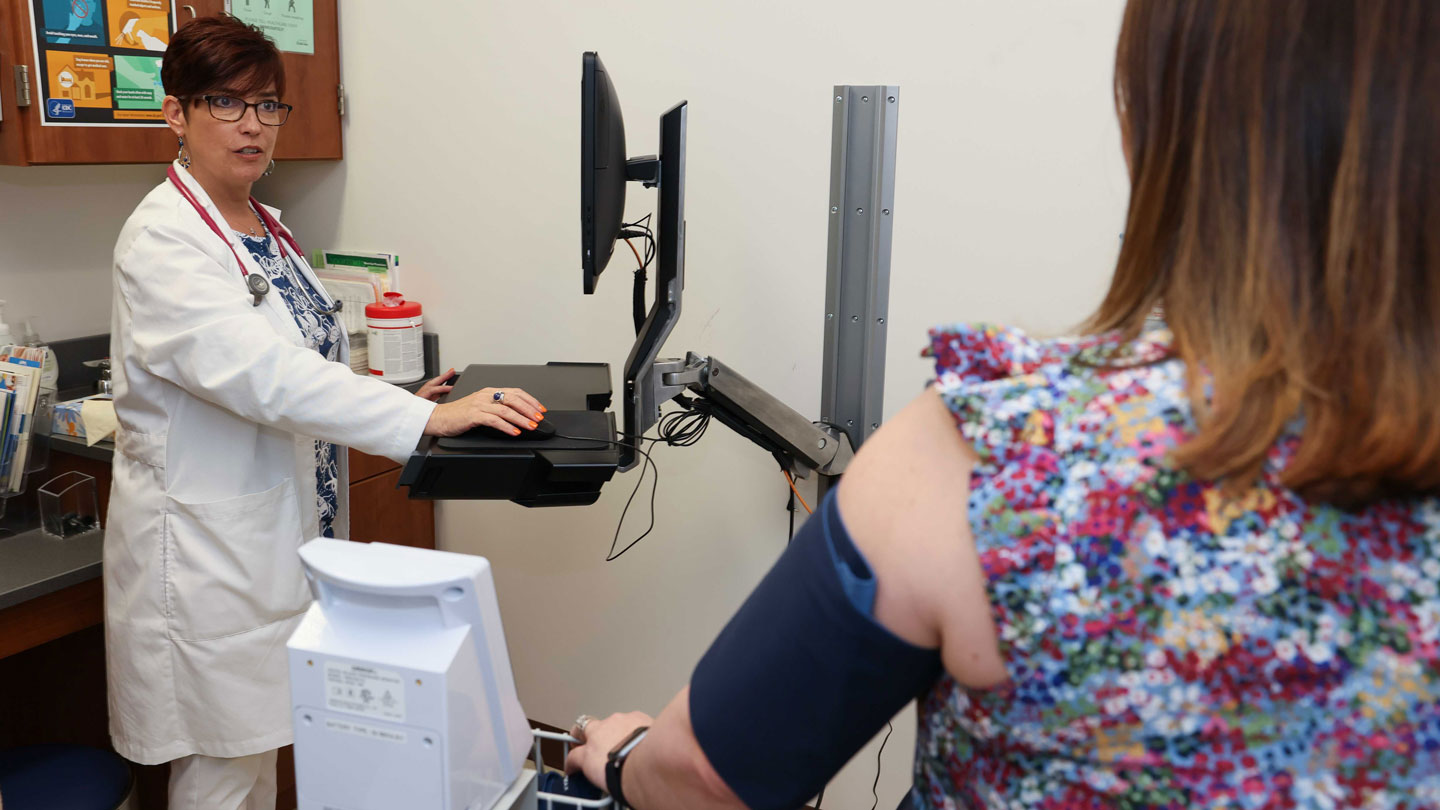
{"points": [[100, 60], [291, 23]]}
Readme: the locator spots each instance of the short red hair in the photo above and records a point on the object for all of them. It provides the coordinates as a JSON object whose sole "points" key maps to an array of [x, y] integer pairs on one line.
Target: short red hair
{"points": [[220, 53]]}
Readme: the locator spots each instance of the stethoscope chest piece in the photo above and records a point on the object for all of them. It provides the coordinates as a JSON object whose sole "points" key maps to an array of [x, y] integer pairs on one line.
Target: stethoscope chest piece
{"points": [[258, 286]]}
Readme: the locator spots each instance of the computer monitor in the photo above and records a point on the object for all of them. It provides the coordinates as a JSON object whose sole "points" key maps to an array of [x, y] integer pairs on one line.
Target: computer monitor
{"points": [[602, 169], [604, 172]]}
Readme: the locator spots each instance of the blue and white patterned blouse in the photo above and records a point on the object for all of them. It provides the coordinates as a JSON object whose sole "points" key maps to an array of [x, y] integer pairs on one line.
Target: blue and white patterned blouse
{"points": [[322, 333]]}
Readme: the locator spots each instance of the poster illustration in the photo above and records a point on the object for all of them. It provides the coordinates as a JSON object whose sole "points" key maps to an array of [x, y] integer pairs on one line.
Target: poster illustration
{"points": [[291, 23], [137, 83], [68, 22], [81, 78], [140, 24], [100, 60]]}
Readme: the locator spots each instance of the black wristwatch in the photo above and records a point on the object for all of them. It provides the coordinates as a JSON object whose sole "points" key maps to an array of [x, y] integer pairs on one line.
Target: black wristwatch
{"points": [[616, 764]]}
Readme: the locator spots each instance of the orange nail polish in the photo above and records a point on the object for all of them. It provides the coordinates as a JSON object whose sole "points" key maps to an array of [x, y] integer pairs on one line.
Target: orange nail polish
{"points": [[539, 416], [544, 409], [533, 426]]}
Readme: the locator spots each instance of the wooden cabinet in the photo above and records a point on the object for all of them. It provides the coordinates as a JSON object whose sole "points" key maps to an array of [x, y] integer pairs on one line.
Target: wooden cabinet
{"points": [[313, 86], [364, 465], [12, 143], [377, 515], [380, 511]]}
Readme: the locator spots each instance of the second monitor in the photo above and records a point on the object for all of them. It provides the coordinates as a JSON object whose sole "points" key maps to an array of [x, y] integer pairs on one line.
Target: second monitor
{"points": [[605, 170]]}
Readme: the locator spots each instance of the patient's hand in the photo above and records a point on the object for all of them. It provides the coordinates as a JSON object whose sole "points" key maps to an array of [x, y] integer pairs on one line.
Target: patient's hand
{"points": [[667, 769], [598, 737]]}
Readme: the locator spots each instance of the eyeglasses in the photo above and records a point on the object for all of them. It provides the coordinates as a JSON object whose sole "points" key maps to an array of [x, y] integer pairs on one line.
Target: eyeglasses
{"points": [[229, 108]]}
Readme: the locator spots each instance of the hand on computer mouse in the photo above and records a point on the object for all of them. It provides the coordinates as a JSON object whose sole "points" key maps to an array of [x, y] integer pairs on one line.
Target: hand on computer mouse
{"points": [[509, 410]]}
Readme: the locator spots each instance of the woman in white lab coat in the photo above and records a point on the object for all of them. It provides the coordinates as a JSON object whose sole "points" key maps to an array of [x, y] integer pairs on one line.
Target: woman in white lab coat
{"points": [[233, 391]]}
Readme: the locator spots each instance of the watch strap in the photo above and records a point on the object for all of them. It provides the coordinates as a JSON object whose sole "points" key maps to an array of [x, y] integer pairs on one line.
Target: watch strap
{"points": [[615, 766]]}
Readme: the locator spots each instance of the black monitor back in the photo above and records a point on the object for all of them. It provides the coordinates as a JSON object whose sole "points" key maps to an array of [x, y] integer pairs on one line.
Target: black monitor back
{"points": [[602, 169]]}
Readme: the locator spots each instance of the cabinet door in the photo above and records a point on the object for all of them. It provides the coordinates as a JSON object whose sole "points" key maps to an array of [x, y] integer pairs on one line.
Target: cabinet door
{"points": [[381, 512], [12, 141], [312, 132], [364, 465], [312, 84], [48, 145]]}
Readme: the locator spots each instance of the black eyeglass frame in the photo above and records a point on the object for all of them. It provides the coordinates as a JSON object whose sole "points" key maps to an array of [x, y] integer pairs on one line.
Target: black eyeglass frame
{"points": [[209, 100]]}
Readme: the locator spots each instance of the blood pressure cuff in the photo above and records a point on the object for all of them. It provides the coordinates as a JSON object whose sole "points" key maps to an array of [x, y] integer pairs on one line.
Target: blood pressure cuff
{"points": [[803, 676]]}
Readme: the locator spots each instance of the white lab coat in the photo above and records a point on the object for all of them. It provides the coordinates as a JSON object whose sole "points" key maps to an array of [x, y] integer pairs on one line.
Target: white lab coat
{"points": [[219, 404]]}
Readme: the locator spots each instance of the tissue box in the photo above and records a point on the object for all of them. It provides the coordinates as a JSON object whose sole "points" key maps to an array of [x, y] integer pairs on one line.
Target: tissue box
{"points": [[66, 419]]}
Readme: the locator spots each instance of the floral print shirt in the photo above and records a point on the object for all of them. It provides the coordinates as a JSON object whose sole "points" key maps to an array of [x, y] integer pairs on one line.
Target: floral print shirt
{"points": [[1170, 646], [322, 333]]}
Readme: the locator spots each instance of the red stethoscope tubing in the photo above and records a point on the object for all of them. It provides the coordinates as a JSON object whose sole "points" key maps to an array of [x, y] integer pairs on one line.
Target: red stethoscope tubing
{"points": [[270, 222]]}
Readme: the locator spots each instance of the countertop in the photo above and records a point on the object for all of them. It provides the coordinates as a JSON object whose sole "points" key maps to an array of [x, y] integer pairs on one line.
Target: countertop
{"points": [[34, 563], [101, 451]]}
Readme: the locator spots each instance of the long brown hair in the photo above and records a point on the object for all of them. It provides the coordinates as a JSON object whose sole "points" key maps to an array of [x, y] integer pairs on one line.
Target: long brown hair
{"points": [[1285, 213]]}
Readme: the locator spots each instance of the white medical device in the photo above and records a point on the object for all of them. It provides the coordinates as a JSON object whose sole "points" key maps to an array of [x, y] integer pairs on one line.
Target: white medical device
{"points": [[401, 683]]}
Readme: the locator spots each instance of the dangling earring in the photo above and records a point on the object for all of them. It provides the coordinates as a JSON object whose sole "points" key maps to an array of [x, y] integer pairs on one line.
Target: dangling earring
{"points": [[270, 170], [183, 156]]}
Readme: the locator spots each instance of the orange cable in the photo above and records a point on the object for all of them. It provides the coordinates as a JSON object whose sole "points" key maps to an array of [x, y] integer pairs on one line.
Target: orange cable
{"points": [[797, 492], [638, 260]]}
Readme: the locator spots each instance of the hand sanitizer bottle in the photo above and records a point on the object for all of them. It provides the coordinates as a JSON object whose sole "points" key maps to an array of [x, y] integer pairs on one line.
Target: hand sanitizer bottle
{"points": [[7, 338], [50, 371]]}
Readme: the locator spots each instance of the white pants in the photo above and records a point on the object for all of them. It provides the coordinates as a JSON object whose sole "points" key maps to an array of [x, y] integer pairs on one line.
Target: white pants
{"points": [[213, 783]]}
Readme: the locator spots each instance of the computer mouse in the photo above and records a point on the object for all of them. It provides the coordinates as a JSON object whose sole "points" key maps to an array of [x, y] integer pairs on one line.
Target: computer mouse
{"points": [[539, 434]]}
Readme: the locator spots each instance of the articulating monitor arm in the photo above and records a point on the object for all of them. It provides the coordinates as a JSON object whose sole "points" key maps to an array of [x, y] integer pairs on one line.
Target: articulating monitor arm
{"points": [[757, 415]]}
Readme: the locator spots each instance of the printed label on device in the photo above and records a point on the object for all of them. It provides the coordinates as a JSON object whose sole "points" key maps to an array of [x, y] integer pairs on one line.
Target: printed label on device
{"points": [[364, 690], [368, 732]]}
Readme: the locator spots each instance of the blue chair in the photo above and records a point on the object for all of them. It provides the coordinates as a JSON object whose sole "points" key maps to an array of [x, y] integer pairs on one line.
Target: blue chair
{"points": [[64, 777]]}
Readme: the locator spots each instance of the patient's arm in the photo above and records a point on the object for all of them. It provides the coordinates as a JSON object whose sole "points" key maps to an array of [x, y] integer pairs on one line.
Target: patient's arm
{"points": [[904, 503]]}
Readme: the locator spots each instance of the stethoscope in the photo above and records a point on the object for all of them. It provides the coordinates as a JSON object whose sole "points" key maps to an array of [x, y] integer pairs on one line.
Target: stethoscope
{"points": [[258, 285]]}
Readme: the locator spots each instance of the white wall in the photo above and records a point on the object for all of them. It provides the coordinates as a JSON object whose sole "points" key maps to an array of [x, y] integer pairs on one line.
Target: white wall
{"points": [[57, 229], [462, 141]]}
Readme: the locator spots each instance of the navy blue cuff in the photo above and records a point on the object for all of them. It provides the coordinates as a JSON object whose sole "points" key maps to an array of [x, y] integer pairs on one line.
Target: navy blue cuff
{"points": [[802, 677]]}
